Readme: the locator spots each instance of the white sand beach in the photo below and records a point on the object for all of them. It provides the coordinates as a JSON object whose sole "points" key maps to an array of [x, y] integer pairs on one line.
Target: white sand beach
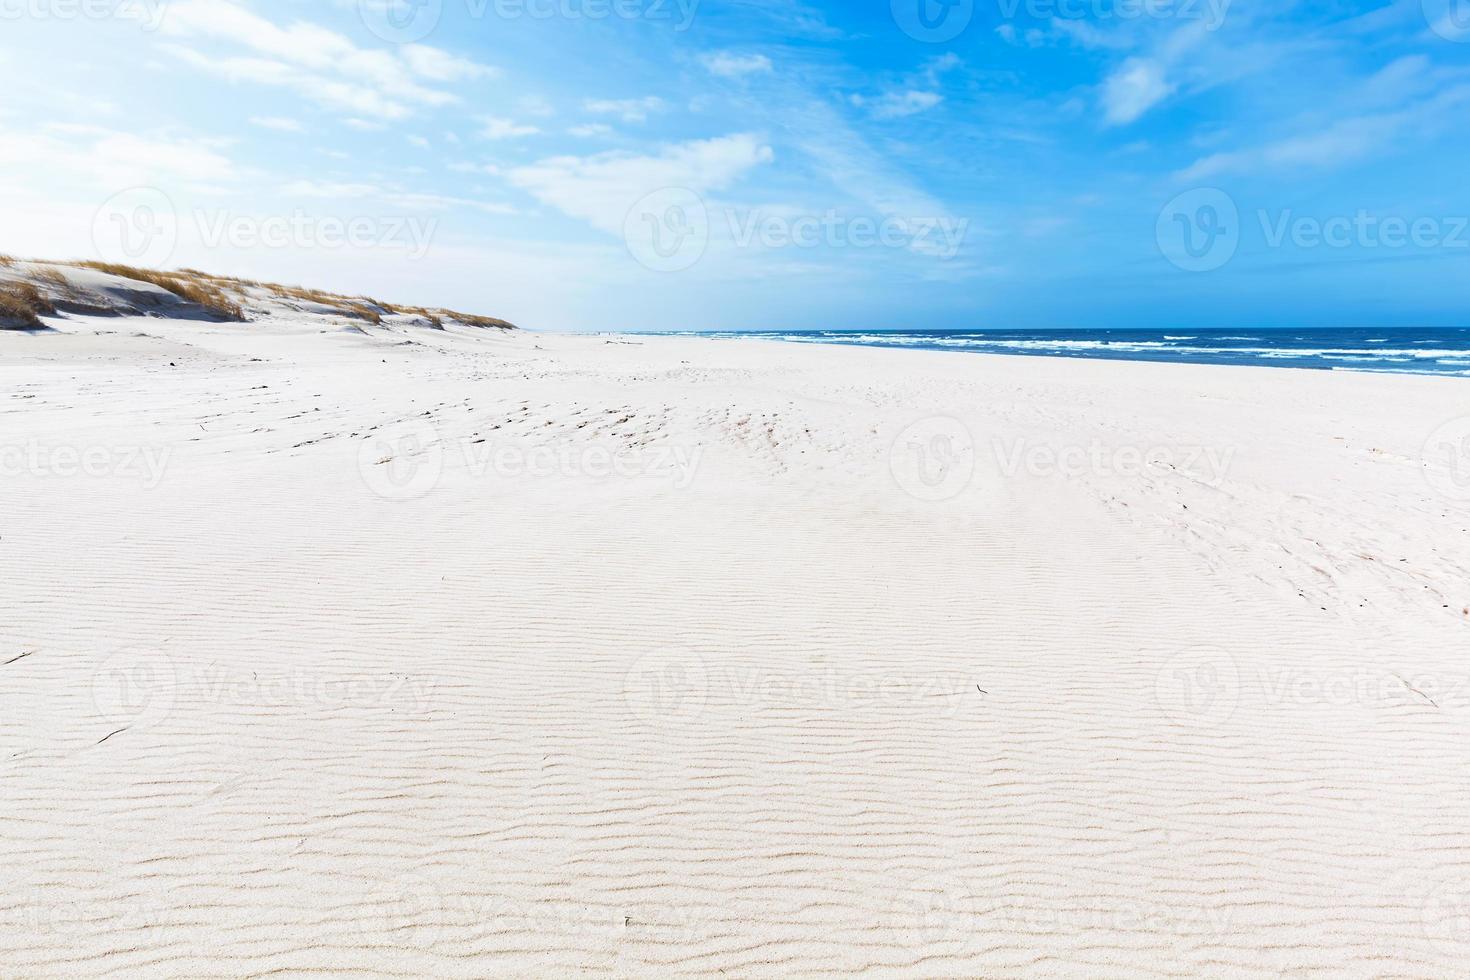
{"points": [[337, 648]]}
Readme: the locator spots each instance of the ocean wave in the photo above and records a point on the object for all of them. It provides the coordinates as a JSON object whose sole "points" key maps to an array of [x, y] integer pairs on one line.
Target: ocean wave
{"points": [[1446, 353]]}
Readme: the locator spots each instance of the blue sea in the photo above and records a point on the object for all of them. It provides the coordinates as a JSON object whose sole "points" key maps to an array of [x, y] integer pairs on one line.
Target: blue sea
{"points": [[1439, 350]]}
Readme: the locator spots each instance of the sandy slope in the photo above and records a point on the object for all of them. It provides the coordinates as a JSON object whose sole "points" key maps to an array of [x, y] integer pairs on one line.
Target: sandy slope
{"points": [[832, 673]]}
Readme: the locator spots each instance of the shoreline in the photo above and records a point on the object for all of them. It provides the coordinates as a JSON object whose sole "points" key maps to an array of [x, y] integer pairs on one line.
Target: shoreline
{"points": [[1055, 344]]}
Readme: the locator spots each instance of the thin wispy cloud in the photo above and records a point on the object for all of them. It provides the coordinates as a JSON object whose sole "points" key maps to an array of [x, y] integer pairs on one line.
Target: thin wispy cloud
{"points": [[895, 105], [729, 65], [500, 128], [628, 110]]}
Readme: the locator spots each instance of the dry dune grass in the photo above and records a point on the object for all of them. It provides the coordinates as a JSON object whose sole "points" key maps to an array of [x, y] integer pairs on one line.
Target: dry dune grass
{"points": [[220, 295], [185, 285], [360, 307], [480, 321], [21, 303], [54, 276], [434, 319], [366, 312]]}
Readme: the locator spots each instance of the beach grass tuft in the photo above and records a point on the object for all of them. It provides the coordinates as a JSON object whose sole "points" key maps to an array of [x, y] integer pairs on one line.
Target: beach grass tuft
{"points": [[190, 287], [23, 304]]}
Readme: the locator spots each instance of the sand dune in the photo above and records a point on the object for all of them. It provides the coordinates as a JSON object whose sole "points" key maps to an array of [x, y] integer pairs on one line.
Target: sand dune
{"points": [[351, 649]]}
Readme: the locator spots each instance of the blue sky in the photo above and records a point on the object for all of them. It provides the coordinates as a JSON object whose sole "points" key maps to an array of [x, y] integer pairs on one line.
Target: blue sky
{"points": [[688, 164]]}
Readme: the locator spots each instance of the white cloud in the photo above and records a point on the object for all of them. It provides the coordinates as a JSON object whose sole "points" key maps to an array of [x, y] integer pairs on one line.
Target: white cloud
{"points": [[915, 94], [600, 189], [1345, 141], [499, 128], [320, 64], [441, 66], [1088, 36], [630, 110], [111, 160], [590, 129], [895, 105], [1135, 87], [846, 159], [330, 93], [727, 65]]}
